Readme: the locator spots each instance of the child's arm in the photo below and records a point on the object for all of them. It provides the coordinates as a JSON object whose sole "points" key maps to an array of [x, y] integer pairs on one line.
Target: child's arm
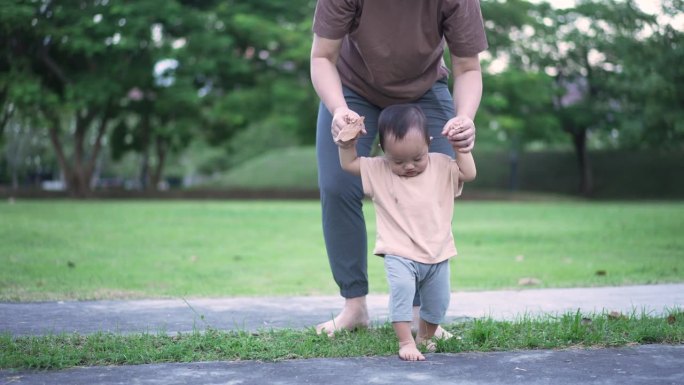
{"points": [[346, 141], [466, 166], [349, 159], [464, 160]]}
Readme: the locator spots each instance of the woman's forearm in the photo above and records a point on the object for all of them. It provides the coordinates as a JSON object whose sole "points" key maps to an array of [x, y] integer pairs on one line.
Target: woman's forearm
{"points": [[467, 85], [326, 82], [324, 75]]}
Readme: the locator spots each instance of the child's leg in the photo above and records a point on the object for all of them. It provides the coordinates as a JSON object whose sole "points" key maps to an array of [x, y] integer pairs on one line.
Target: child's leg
{"points": [[401, 277], [408, 350], [415, 325], [425, 333], [435, 293]]}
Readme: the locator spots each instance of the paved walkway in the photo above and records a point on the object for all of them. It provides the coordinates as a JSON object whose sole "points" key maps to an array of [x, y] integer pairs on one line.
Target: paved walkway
{"points": [[178, 315], [652, 364]]}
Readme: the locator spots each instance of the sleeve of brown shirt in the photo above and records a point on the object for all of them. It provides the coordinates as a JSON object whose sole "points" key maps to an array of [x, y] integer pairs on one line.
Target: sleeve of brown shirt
{"points": [[333, 19], [463, 27]]}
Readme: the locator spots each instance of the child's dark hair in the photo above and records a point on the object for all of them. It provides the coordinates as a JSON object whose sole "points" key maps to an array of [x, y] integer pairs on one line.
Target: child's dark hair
{"points": [[395, 121]]}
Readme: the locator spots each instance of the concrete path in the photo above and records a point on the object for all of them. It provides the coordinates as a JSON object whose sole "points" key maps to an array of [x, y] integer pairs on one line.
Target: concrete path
{"points": [[178, 315], [648, 364]]}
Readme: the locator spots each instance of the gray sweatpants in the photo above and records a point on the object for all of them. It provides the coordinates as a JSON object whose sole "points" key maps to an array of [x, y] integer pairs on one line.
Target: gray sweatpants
{"points": [[344, 227], [405, 277]]}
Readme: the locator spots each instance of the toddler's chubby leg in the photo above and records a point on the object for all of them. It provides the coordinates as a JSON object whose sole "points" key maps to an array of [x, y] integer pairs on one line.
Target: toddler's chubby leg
{"points": [[440, 333], [435, 293], [408, 351], [425, 333]]}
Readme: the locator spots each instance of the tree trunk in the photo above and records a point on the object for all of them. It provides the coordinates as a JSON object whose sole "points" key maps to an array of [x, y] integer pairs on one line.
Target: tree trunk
{"points": [[79, 172], [80, 183], [579, 139], [77, 186], [145, 163], [14, 152], [101, 130], [54, 128], [161, 159]]}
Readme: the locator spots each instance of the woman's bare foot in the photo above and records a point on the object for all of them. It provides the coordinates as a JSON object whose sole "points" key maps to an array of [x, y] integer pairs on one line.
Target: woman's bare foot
{"points": [[442, 334], [427, 344], [409, 352], [354, 315]]}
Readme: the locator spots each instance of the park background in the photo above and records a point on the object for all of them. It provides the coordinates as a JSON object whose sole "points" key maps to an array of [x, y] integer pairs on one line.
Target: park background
{"points": [[109, 96], [580, 149], [164, 150]]}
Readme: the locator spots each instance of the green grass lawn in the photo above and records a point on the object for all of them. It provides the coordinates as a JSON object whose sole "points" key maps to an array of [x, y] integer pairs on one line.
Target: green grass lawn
{"points": [[130, 249], [568, 330]]}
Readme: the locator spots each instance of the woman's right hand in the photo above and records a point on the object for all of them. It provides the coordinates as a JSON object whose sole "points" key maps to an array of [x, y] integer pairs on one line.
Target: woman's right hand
{"points": [[341, 118]]}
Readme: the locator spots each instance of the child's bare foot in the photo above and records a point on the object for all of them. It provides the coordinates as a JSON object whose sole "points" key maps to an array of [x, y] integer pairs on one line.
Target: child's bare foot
{"points": [[353, 316], [409, 352]]}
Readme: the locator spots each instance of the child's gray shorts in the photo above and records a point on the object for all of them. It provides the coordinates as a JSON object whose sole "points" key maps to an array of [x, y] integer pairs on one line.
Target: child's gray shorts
{"points": [[405, 276]]}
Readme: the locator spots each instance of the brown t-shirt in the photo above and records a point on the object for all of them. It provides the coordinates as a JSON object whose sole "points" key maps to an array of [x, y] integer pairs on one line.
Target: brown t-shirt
{"points": [[413, 215], [392, 49]]}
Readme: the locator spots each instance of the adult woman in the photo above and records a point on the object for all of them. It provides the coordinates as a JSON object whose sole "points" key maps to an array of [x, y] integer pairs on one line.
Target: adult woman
{"points": [[367, 55]]}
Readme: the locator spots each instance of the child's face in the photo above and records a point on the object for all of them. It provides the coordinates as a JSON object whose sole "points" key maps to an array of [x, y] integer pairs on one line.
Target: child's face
{"points": [[408, 156]]}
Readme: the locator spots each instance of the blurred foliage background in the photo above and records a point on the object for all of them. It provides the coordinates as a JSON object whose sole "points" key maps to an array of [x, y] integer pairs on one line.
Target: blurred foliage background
{"points": [[141, 95]]}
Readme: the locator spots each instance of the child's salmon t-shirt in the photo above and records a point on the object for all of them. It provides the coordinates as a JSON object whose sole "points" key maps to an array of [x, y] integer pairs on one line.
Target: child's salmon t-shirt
{"points": [[413, 214]]}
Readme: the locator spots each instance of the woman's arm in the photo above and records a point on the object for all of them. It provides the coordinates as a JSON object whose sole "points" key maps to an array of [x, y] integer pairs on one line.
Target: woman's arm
{"points": [[324, 75], [467, 94], [326, 81], [467, 85]]}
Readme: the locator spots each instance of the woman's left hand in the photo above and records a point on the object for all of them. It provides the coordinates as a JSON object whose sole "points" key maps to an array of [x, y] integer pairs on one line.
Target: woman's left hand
{"points": [[461, 133]]}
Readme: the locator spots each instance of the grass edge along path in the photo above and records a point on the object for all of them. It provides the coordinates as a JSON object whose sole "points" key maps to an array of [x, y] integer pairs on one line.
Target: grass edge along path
{"points": [[539, 332]]}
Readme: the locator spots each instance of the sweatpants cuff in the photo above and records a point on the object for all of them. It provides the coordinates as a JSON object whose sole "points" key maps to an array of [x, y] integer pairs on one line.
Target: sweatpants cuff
{"points": [[353, 292]]}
